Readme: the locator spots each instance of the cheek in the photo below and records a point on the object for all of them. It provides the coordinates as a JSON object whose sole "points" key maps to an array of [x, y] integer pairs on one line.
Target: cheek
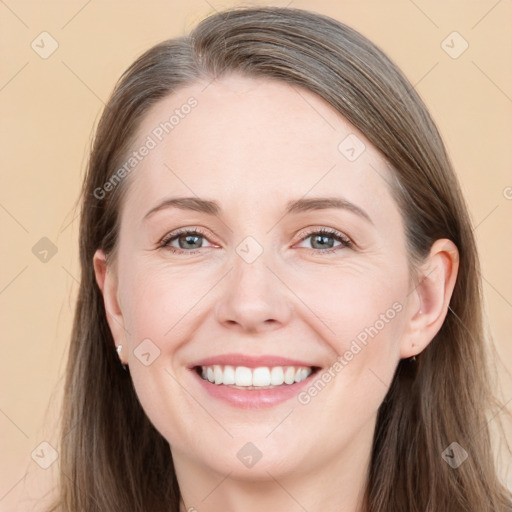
{"points": [[158, 308], [364, 314], [351, 389], [363, 303], [159, 300]]}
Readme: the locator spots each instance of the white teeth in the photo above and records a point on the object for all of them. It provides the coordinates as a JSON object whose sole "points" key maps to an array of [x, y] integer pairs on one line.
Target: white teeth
{"points": [[229, 375], [277, 376], [243, 376], [261, 377], [289, 375], [217, 373], [301, 375], [304, 374]]}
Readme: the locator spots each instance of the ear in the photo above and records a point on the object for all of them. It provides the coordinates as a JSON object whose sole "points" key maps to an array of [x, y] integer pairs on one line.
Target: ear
{"points": [[106, 278], [431, 297]]}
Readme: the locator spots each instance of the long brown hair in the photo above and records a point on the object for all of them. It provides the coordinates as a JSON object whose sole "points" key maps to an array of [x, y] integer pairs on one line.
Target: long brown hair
{"points": [[111, 456]]}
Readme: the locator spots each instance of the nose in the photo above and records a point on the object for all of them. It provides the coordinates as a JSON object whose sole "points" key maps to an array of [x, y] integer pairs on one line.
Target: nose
{"points": [[253, 298]]}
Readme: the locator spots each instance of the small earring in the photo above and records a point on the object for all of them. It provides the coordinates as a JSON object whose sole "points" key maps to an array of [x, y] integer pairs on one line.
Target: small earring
{"points": [[118, 349], [412, 359]]}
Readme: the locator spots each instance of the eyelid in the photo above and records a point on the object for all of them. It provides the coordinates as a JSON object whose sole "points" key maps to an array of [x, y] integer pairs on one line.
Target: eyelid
{"points": [[345, 241], [306, 232], [181, 231]]}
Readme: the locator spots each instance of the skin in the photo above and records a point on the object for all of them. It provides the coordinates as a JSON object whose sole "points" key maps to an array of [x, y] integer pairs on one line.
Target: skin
{"points": [[253, 145]]}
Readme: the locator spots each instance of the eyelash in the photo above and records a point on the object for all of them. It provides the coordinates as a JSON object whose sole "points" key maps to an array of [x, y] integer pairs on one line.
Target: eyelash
{"points": [[346, 243]]}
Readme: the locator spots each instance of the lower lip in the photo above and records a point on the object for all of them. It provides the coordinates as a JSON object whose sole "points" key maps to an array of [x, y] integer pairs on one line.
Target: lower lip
{"points": [[252, 398]]}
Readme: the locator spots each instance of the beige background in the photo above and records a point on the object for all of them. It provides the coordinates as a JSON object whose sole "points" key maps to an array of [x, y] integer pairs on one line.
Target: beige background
{"points": [[49, 107]]}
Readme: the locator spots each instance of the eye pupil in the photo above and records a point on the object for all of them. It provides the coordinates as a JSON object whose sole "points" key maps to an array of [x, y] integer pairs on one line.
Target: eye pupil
{"points": [[323, 242], [189, 240]]}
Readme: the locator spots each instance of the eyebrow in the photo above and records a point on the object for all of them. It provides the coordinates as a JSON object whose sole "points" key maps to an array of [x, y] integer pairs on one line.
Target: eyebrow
{"points": [[297, 206]]}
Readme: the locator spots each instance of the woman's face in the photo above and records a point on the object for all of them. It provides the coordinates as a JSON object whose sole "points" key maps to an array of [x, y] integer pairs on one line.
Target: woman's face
{"points": [[264, 167]]}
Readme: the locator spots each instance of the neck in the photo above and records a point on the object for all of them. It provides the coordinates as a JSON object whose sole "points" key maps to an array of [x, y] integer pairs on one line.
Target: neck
{"points": [[336, 485]]}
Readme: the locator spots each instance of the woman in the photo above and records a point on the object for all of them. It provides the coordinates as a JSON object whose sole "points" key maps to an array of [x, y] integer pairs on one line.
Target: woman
{"points": [[280, 298]]}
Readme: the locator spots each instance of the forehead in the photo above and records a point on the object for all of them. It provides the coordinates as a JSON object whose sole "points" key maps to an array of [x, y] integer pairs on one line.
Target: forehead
{"points": [[240, 139]]}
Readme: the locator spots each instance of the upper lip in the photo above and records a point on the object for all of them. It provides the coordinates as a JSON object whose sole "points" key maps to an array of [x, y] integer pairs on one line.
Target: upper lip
{"points": [[251, 361]]}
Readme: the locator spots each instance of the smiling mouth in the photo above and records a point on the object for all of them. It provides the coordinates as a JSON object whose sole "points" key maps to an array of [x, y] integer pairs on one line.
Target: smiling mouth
{"points": [[263, 377]]}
